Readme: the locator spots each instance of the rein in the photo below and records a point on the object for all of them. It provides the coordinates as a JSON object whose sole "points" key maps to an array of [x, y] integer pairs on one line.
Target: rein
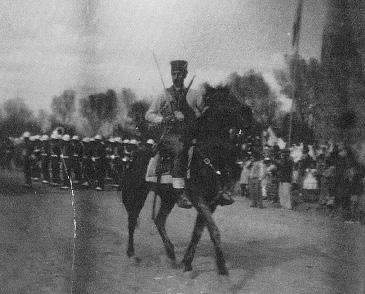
{"points": [[206, 160]]}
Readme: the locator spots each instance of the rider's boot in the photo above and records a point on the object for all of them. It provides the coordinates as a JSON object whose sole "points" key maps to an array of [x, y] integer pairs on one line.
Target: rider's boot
{"points": [[225, 197], [183, 200]]}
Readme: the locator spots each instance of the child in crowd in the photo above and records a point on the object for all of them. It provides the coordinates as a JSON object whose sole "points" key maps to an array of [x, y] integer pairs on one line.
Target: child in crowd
{"points": [[272, 186], [246, 169], [255, 178]]}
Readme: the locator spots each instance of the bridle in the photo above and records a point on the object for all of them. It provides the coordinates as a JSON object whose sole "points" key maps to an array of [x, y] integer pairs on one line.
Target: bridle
{"points": [[206, 159]]}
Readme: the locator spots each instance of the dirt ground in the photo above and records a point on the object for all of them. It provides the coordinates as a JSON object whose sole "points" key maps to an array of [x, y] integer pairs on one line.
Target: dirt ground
{"points": [[267, 250]]}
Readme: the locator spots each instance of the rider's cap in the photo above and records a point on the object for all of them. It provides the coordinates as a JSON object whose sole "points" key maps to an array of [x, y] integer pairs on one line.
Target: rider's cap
{"points": [[75, 138], [37, 137], [66, 138], [111, 140], [32, 138], [126, 141], [86, 140], [118, 139], [150, 141], [92, 140], [97, 137], [26, 134], [179, 66]]}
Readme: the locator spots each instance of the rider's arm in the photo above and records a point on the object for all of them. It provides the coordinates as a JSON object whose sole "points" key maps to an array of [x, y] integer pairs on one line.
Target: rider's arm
{"points": [[153, 114], [195, 101]]}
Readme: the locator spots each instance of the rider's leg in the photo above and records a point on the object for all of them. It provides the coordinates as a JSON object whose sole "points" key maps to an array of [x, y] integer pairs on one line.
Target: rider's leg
{"points": [[178, 172]]}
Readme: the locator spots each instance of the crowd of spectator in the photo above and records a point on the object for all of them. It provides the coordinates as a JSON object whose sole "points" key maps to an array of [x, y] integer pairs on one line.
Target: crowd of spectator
{"points": [[327, 174]]}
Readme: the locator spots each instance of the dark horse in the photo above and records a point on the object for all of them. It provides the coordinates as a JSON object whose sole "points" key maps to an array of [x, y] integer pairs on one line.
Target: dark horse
{"points": [[213, 155]]}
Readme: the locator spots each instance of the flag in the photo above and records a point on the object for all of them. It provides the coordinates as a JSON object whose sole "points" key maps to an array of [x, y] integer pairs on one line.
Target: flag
{"points": [[297, 24]]}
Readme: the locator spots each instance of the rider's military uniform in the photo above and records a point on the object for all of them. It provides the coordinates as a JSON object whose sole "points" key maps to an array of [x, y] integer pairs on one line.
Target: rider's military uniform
{"points": [[174, 140]]}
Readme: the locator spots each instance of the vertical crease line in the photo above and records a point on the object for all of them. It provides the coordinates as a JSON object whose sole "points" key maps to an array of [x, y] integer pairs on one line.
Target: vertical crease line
{"points": [[74, 223]]}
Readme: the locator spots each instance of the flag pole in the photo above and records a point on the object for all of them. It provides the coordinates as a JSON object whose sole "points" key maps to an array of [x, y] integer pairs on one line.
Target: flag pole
{"points": [[295, 49]]}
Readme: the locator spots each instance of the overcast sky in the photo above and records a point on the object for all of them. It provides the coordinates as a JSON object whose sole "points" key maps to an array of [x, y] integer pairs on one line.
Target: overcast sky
{"points": [[51, 45]]}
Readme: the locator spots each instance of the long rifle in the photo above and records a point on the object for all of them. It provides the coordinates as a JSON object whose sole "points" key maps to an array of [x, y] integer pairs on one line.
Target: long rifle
{"points": [[161, 78]]}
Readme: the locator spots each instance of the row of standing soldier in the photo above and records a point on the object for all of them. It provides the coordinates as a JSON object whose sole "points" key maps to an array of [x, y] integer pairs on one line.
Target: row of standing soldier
{"points": [[62, 160]]}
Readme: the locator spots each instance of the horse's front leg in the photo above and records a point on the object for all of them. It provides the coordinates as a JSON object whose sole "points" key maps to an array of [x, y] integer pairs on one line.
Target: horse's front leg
{"points": [[132, 223], [195, 238], [214, 236], [166, 206]]}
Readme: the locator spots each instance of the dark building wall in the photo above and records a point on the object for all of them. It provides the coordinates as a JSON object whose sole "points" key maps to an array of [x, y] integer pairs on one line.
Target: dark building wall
{"points": [[343, 57]]}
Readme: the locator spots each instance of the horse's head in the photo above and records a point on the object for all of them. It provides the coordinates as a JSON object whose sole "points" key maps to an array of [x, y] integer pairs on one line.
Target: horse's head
{"points": [[223, 124], [235, 118]]}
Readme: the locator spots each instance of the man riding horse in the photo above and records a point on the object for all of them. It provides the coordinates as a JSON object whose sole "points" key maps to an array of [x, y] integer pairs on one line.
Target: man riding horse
{"points": [[177, 116]]}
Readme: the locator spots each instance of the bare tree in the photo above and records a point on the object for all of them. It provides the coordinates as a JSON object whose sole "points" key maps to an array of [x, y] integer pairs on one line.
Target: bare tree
{"points": [[63, 106]]}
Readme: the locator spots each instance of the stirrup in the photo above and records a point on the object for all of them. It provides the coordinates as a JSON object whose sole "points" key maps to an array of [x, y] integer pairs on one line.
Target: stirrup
{"points": [[224, 198]]}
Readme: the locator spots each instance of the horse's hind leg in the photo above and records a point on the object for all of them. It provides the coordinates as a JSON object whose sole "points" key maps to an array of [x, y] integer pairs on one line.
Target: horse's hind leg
{"points": [[133, 209], [132, 223], [166, 206], [197, 233], [214, 236]]}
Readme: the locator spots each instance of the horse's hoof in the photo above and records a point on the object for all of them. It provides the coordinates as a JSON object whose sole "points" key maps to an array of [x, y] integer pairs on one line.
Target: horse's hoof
{"points": [[223, 273], [130, 253], [134, 260], [187, 267], [175, 265], [137, 260], [190, 274], [223, 285], [172, 262], [224, 280]]}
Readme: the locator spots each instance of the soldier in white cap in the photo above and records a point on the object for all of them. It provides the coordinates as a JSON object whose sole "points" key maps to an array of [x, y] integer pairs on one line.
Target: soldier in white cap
{"points": [[27, 161], [87, 164], [36, 162], [45, 156], [108, 160], [66, 156], [150, 146], [100, 162], [76, 159], [55, 158], [117, 170]]}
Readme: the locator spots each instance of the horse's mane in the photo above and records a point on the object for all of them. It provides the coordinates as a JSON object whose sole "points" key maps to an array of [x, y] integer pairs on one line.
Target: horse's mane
{"points": [[222, 98]]}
